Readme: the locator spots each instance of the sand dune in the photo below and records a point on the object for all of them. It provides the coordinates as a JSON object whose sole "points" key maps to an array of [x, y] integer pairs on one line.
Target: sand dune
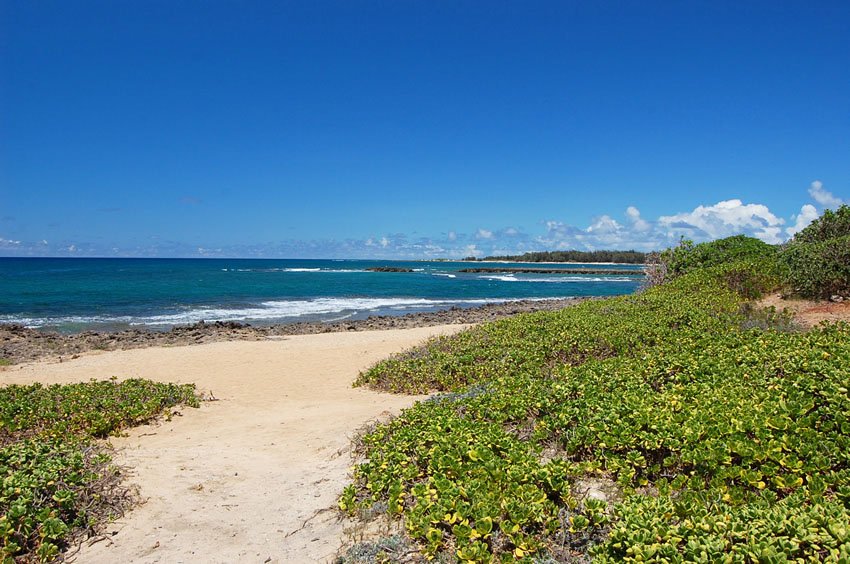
{"points": [[236, 480]]}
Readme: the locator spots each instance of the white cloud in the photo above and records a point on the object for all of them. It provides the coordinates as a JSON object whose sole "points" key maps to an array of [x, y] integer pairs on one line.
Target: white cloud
{"points": [[560, 236], [703, 223], [604, 225], [808, 214], [604, 232], [631, 231], [638, 223], [472, 251], [723, 219], [825, 198]]}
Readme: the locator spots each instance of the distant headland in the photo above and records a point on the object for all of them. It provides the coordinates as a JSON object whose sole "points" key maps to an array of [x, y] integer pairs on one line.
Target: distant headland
{"points": [[620, 257]]}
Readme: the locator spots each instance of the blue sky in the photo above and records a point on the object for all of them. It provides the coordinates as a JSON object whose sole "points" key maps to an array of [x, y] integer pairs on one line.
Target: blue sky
{"points": [[415, 129]]}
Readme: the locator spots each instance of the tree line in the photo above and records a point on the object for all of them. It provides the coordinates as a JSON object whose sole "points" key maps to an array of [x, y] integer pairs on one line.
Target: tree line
{"points": [[626, 257]]}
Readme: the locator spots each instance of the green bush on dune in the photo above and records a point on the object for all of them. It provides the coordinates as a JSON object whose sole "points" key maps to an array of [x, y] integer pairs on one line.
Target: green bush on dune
{"points": [[57, 481], [688, 257], [716, 441], [817, 259], [830, 225]]}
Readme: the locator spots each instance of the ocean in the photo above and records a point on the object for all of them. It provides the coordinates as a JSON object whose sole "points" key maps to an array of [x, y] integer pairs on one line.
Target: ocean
{"points": [[77, 294]]}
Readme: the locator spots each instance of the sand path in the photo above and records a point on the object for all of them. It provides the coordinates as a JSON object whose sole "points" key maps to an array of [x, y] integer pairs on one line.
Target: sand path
{"points": [[235, 480]]}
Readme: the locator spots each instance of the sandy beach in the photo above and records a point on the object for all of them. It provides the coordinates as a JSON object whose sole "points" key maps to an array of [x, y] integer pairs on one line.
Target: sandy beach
{"points": [[253, 476]]}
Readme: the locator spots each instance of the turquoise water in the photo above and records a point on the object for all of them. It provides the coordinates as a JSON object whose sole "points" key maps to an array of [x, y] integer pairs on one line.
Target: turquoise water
{"points": [[78, 294]]}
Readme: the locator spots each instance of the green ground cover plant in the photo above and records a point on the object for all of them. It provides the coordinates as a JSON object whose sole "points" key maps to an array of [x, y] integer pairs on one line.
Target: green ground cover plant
{"points": [[724, 439], [57, 480]]}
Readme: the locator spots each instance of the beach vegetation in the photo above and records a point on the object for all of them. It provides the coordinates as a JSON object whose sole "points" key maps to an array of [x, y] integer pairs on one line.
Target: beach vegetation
{"points": [[817, 259], [830, 225], [393, 548], [757, 258], [686, 256], [721, 434], [58, 482]]}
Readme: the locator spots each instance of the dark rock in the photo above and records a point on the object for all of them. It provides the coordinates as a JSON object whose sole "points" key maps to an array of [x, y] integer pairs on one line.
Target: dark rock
{"points": [[389, 269]]}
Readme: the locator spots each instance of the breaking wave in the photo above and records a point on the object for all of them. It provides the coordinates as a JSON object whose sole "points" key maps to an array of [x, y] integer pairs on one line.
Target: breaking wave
{"points": [[325, 309]]}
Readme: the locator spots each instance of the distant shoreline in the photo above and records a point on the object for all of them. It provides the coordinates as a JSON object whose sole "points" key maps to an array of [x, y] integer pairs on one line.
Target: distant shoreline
{"points": [[531, 269], [548, 262]]}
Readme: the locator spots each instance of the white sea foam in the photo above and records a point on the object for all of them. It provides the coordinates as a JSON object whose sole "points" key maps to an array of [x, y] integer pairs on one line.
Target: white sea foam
{"points": [[267, 311], [500, 278], [340, 318], [288, 309], [447, 275], [558, 279], [36, 322], [278, 310], [579, 279], [268, 270]]}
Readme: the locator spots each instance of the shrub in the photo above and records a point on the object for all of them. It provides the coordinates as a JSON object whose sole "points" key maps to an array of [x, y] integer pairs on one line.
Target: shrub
{"points": [[817, 259], [819, 270], [751, 279], [830, 225], [688, 257], [757, 271]]}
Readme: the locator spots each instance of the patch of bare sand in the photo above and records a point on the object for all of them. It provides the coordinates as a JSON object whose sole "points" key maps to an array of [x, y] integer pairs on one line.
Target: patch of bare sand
{"points": [[809, 313], [253, 477]]}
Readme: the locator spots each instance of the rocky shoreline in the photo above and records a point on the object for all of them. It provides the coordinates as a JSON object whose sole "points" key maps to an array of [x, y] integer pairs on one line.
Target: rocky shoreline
{"points": [[19, 344]]}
